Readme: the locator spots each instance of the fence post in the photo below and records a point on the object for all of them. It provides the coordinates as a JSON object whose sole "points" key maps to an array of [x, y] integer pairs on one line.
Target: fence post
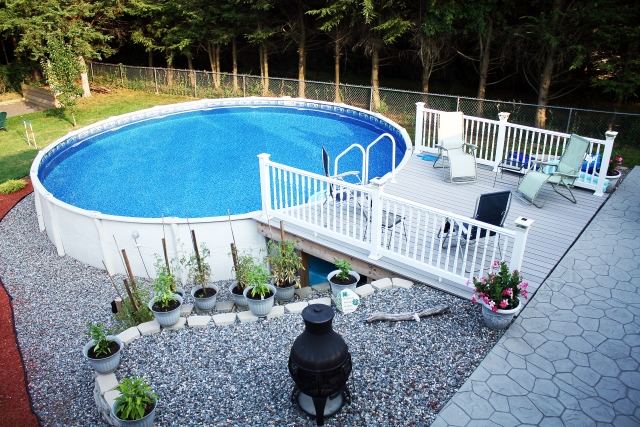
{"points": [[458, 103], [122, 74], [520, 242], [91, 68], [502, 133], [195, 84], [265, 188], [418, 143], [569, 120], [370, 97], [244, 86], [376, 220], [155, 79], [610, 136]]}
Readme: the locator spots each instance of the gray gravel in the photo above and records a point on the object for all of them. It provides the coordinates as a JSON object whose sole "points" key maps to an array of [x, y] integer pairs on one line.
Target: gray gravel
{"points": [[403, 374]]}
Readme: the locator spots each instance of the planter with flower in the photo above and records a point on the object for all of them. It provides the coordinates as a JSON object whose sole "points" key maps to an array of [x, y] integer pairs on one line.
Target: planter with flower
{"points": [[136, 405], [499, 294], [259, 293], [204, 294], [285, 262], [103, 351], [244, 265], [165, 304], [342, 278], [613, 172]]}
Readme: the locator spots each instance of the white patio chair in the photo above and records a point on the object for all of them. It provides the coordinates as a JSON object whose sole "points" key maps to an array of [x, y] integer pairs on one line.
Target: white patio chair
{"points": [[460, 156]]}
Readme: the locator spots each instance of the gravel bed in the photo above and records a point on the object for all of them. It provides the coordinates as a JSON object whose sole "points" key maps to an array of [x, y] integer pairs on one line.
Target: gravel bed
{"points": [[404, 372]]}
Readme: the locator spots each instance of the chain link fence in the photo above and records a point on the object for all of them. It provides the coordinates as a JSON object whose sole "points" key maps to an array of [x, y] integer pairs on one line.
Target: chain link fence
{"points": [[398, 105]]}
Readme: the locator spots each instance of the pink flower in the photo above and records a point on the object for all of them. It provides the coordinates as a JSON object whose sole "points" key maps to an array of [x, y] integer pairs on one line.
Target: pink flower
{"points": [[495, 264], [493, 307], [504, 303], [474, 300], [508, 293], [523, 285], [486, 300], [524, 293]]}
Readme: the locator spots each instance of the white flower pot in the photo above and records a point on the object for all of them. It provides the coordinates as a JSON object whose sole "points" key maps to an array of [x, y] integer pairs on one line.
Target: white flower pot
{"points": [[499, 319], [337, 287], [260, 307], [105, 365]]}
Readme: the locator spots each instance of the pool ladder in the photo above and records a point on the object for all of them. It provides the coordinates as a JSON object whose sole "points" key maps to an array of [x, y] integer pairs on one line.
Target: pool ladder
{"points": [[365, 157]]}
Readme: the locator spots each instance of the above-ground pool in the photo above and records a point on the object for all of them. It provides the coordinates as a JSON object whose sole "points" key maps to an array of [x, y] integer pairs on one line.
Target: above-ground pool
{"points": [[126, 182]]}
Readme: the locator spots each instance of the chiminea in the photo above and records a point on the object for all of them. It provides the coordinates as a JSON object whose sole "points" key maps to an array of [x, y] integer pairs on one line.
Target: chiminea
{"points": [[320, 364]]}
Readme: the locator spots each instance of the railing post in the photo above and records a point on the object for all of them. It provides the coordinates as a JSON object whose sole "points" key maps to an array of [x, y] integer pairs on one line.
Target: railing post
{"points": [[502, 133], [265, 186], [610, 136], [375, 232], [418, 143], [520, 242]]}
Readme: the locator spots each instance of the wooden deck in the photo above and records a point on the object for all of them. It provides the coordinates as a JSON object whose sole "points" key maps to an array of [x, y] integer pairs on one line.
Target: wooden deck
{"points": [[557, 225]]}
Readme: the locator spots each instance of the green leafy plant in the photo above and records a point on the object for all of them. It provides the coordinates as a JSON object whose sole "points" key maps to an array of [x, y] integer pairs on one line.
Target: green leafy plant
{"points": [[285, 262], [135, 397], [344, 266], [258, 278], [500, 290], [128, 316], [164, 287], [246, 263], [12, 185], [199, 270], [98, 333]]}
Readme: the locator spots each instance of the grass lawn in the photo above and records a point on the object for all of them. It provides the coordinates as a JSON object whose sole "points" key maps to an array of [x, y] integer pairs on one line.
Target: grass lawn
{"points": [[16, 156]]}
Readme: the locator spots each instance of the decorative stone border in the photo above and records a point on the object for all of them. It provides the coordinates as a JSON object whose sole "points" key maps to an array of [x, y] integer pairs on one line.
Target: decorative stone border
{"points": [[104, 391]]}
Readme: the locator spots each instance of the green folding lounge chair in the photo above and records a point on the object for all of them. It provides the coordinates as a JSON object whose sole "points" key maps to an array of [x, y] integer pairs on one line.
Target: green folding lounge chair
{"points": [[460, 156], [3, 120], [563, 172]]}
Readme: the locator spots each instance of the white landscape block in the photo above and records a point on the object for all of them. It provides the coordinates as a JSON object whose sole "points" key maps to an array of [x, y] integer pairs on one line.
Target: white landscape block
{"points": [[129, 335], [276, 311], [179, 325], [322, 287], [296, 307], [224, 306], [149, 328], [111, 396], [402, 283], [197, 321], [247, 317], [224, 319], [364, 290], [106, 382], [382, 284], [325, 301], [186, 310]]}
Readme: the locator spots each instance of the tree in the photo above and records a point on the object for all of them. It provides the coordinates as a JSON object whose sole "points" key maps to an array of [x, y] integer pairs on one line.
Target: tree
{"points": [[260, 13], [61, 68]]}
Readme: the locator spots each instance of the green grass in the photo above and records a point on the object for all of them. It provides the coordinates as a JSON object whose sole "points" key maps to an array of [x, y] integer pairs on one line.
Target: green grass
{"points": [[629, 153], [16, 156]]}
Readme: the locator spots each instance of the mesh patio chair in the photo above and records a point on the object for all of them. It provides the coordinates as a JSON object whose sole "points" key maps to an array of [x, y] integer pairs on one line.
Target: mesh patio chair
{"points": [[3, 120], [460, 156], [562, 172]]}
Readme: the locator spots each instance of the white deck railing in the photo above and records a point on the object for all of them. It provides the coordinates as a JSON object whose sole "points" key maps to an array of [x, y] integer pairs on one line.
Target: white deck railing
{"points": [[359, 215], [496, 140]]}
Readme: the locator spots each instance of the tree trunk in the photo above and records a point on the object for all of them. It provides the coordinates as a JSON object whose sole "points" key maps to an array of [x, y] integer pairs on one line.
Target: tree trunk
{"points": [[375, 82], [302, 56], [170, 69], [4, 51], [192, 74], [485, 58], [217, 61], [213, 52], [336, 67], [150, 58], [427, 63], [84, 78], [543, 90], [234, 62], [265, 70]]}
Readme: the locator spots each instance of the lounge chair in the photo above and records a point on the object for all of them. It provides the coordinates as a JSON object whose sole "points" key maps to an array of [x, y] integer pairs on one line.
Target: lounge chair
{"points": [[562, 172], [461, 157], [3, 120], [491, 208], [338, 194]]}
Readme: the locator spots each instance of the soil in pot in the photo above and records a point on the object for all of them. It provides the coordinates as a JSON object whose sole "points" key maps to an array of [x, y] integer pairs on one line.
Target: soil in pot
{"points": [[173, 304], [113, 349], [258, 297], [349, 281], [237, 290], [204, 293]]}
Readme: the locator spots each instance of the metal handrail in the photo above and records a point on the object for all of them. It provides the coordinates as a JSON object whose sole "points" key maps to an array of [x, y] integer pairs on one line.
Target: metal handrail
{"points": [[393, 156], [349, 148]]}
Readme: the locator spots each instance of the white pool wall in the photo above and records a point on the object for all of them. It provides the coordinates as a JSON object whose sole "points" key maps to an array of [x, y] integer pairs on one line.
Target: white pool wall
{"points": [[97, 239]]}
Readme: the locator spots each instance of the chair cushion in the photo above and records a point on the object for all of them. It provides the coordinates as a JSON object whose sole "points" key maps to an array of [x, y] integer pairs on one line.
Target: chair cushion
{"points": [[531, 183], [462, 165]]}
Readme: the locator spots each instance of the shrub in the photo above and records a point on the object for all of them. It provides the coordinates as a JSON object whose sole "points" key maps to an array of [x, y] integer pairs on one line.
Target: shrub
{"points": [[285, 262], [344, 267], [12, 185], [135, 396], [500, 290]]}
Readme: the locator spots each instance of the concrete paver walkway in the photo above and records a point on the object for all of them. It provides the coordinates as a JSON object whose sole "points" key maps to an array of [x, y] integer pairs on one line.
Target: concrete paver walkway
{"points": [[18, 107], [572, 356]]}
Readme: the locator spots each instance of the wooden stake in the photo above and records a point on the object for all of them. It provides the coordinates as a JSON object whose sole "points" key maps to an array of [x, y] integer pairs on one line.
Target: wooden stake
{"points": [[129, 271], [234, 256], [111, 280], [304, 272], [134, 301], [195, 249], [166, 257], [282, 236]]}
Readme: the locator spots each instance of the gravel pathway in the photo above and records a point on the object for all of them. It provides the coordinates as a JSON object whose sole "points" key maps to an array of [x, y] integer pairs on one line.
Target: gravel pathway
{"points": [[237, 375]]}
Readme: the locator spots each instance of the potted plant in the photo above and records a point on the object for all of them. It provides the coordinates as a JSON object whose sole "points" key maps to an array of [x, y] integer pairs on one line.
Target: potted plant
{"points": [[285, 262], [244, 265], [613, 172], [136, 405], [203, 293], [499, 295], [103, 351], [165, 304], [342, 278], [259, 293]]}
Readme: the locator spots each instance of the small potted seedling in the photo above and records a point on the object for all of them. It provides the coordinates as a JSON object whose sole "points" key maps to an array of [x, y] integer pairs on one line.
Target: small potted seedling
{"points": [[285, 262], [342, 278], [165, 304], [136, 405], [259, 293], [203, 293], [244, 265], [103, 351]]}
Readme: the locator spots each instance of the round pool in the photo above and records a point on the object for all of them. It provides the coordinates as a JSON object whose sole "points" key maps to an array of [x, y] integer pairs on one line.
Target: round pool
{"points": [[128, 181]]}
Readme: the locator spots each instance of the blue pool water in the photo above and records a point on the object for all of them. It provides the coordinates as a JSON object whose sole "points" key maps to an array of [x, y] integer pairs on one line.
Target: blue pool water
{"points": [[203, 163]]}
